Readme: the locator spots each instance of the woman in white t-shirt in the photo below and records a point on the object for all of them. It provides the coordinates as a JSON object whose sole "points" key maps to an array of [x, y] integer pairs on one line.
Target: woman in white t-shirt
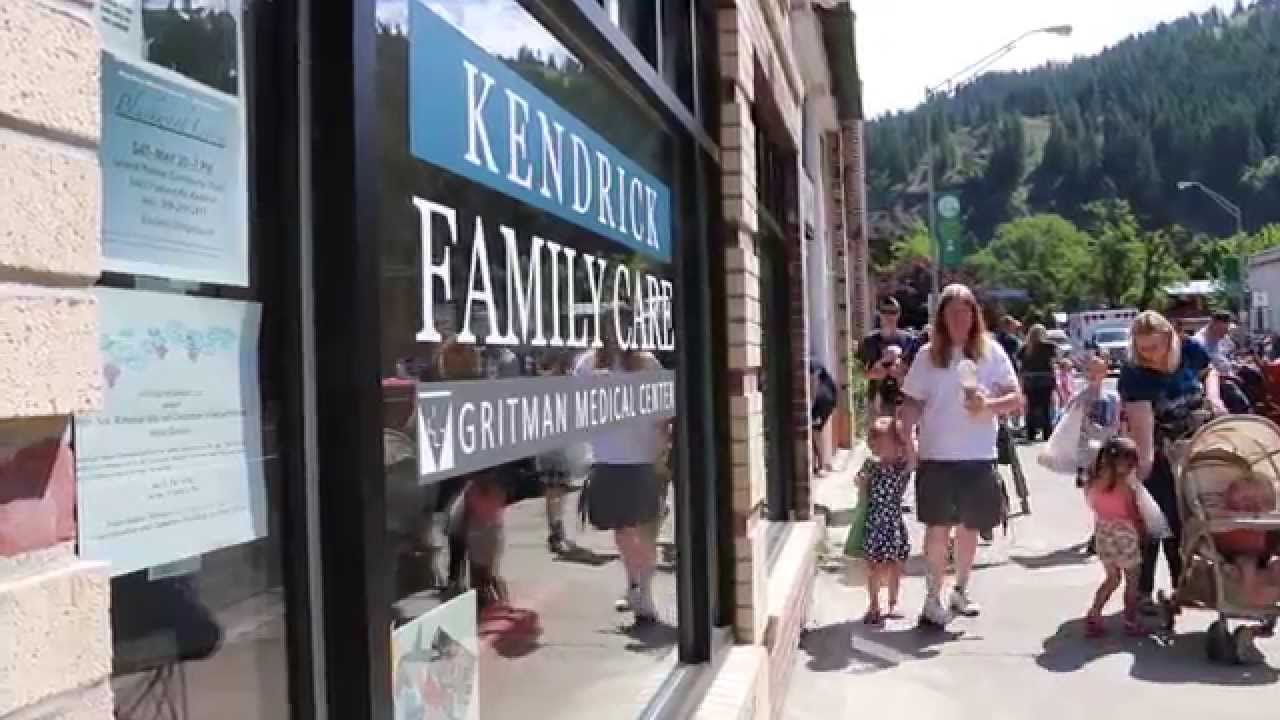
{"points": [[624, 491], [958, 385]]}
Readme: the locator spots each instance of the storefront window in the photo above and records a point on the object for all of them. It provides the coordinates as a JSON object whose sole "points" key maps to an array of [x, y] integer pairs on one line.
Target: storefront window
{"points": [[528, 351], [181, 485]]}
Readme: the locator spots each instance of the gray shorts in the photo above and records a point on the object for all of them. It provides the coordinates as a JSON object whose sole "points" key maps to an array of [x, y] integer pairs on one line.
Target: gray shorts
{"points": [[959, 492]]}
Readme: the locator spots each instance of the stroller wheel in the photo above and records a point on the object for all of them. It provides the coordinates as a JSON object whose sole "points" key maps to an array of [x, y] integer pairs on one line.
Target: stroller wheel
{"points": [[1219, 645], [1244, 651]]}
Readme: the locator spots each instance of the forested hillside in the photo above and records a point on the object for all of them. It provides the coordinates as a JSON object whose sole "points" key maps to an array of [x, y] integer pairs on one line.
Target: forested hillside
{"points": [[1194, 99]]}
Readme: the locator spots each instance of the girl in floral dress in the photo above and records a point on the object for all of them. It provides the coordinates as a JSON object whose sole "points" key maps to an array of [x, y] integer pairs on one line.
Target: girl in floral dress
{"points": [[1118, 531], [882, 481]]}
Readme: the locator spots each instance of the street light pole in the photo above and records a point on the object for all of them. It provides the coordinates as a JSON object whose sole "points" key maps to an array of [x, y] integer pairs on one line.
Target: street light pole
{"points": [[1234, 211], [972, 69]]}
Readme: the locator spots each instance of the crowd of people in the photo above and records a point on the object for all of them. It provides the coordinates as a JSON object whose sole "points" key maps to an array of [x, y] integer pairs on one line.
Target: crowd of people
{"points": [[937, 409], [623, 475]]}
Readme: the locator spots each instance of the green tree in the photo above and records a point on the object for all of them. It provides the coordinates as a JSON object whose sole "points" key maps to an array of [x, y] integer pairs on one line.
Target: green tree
{"points": [[1157, 266], [914, 247], [1045, 255], [1114, 253]]}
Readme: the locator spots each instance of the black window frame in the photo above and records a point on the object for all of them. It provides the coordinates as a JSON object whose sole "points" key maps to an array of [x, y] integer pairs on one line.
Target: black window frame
{"points": [[340, 302]]}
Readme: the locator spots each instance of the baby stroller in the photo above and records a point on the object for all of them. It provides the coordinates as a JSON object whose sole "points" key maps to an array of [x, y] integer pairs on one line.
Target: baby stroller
{"points": [[1226, 451]]}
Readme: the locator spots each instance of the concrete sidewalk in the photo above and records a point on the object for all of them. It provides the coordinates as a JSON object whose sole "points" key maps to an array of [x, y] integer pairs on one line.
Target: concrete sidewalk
{"points": [[1026, 656]]}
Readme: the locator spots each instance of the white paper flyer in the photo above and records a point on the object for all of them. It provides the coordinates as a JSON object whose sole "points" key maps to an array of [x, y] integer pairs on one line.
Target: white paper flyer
{"points": [[173, 148], [173, 465]]}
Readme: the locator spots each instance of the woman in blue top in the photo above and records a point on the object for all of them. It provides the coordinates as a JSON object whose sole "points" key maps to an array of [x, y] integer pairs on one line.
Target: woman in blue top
{"points": [[1165, 401]]}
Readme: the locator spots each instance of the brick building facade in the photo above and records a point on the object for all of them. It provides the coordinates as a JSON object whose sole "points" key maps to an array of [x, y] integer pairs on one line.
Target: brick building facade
{"points": [[788, 72], [793, 249]]}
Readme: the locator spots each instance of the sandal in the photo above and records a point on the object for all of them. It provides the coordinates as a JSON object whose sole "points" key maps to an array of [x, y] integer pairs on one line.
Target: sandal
{"points": [[873, 618], [1093, 627]]}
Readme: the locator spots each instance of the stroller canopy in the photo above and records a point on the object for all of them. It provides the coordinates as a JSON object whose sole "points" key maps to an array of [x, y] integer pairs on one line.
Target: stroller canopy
{"points": [[1223, 450], [1252, 438]]}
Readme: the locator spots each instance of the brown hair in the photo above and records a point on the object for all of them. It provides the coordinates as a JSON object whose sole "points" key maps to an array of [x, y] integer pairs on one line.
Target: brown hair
{"points": [[1117, 450], [1037, 336], [940, 344]]}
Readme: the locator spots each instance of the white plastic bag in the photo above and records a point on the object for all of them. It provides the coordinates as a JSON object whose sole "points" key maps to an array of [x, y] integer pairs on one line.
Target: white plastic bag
{"points": [[1153, 519], [1062, 453]]}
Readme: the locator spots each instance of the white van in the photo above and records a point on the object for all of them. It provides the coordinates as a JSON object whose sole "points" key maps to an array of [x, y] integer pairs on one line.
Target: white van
{"points": [[1104, 330]]}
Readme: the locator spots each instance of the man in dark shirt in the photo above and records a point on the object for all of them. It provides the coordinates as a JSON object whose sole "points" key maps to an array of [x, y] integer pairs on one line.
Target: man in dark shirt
{"points": [[886, 366], [1008, 338], [825, 399]]}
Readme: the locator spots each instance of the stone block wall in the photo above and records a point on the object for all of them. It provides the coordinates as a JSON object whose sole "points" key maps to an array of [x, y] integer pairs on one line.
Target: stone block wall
{"points": [[55, 652]]}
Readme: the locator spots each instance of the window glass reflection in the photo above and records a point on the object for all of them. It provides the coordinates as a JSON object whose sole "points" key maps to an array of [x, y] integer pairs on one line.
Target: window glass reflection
{"points": [[197, 635], [528, 348]]}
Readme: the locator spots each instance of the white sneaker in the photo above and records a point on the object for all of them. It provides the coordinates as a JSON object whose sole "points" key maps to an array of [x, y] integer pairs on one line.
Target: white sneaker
{"points": [[934, 614], [640, 600], [962, 605]]}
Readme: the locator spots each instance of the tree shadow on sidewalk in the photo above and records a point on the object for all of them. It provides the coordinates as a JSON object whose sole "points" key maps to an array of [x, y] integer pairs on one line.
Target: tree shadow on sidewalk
{"points": [[1180, 661], [855, 648]]}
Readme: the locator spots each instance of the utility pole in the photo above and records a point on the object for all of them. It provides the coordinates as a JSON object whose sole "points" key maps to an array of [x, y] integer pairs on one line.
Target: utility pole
{"points": [[972, 69], [1234, 211]]}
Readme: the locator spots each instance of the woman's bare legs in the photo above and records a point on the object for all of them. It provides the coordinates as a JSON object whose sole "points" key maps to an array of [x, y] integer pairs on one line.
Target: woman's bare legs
{"points": [[936, 546], [556, 540], [640, 558]]}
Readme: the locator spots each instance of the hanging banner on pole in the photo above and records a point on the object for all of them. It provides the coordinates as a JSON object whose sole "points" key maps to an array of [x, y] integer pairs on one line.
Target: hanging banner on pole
{"points": [[950, 228]]}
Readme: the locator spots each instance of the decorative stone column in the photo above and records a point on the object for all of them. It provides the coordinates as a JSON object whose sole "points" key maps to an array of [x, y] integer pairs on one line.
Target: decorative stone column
{"points": [[55, 638]]}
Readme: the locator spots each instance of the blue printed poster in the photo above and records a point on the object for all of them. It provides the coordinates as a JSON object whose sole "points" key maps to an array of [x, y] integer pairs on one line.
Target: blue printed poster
{"points": [[172, 466], [173, 157]]}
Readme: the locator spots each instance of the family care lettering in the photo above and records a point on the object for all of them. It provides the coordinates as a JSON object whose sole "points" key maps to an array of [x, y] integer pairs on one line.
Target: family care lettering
{"points": [[646, 297]]}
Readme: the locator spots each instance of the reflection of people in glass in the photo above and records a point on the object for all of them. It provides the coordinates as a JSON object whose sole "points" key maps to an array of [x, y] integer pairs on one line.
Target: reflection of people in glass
{"points": [[624, 492], [196, 38], [556, 468], [157, 625], [476, 513]]}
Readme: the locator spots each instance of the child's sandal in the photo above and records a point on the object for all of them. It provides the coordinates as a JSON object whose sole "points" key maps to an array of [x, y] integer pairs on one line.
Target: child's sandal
{"points": [[1093, 627]]}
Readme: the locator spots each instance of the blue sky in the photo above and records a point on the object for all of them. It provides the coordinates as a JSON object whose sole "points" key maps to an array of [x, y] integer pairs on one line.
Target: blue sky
{"points": [[906, 45], [499, 26]]}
